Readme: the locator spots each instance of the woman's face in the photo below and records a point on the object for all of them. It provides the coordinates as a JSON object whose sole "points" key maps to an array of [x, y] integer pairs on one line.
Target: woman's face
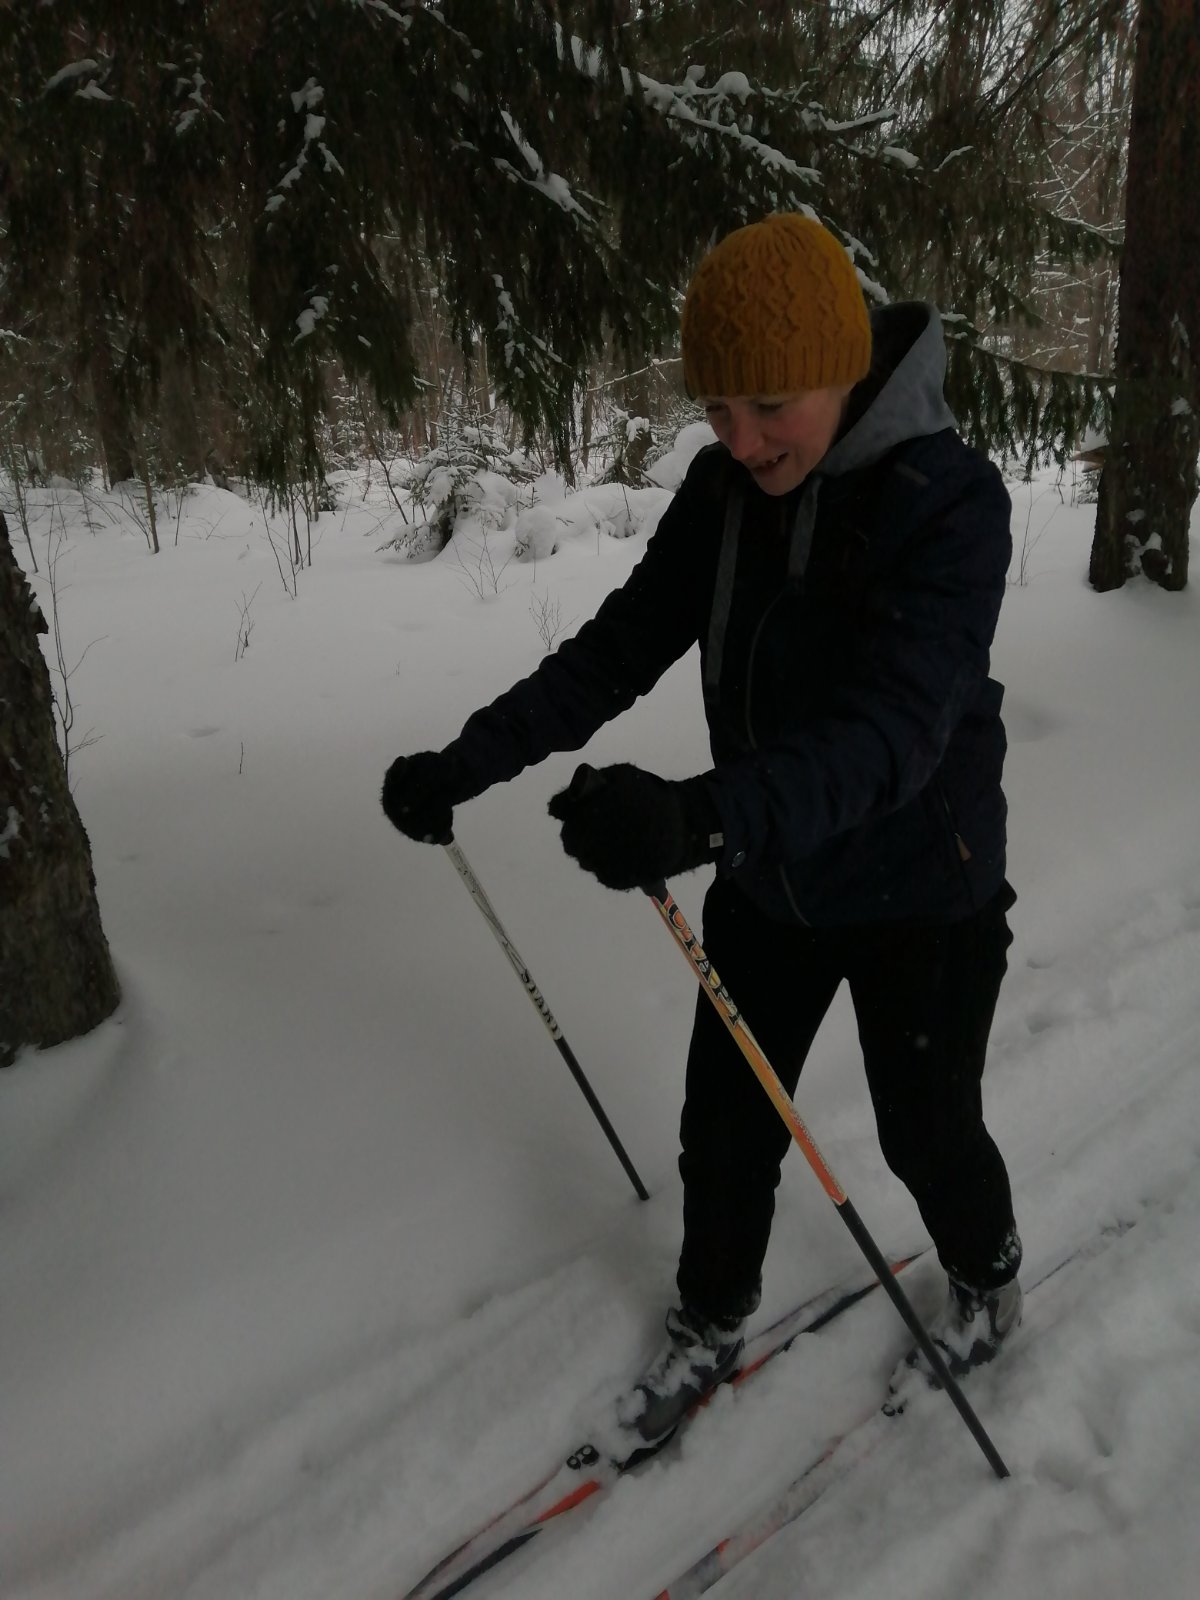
{"points": [[779, 438]]}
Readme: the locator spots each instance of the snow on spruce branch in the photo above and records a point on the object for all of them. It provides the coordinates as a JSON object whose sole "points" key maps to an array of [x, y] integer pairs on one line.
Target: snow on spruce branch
{"points": [[858, 252], [698, 107], [954, 155], [306, 100], [813, 117], [553, 185], [10, 831], [515, 334], [68, 74], [403, 20], [318, 305], [673, 102], [193, 90]]}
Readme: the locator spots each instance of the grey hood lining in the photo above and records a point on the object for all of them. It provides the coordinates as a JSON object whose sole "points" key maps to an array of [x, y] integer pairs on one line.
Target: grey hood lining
{"points": [[908, 371]]}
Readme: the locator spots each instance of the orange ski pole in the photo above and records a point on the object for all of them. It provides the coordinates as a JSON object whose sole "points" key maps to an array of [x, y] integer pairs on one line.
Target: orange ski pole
{"points": [[729, 1013]]}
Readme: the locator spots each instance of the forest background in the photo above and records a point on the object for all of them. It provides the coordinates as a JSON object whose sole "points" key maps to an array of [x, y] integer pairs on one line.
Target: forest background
{"points": [[252, 243]]}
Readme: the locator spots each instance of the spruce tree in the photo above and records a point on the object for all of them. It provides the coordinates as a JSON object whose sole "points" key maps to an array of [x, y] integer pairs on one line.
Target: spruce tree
{"points": [[257, 188]]}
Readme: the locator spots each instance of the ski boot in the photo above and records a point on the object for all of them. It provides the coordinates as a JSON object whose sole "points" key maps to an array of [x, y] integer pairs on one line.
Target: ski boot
{"points": [[970, 1332], [697, 1356]]}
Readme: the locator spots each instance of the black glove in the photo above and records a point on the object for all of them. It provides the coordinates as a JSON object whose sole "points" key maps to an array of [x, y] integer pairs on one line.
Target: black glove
{"points": [[632, 829], [420, 793]]}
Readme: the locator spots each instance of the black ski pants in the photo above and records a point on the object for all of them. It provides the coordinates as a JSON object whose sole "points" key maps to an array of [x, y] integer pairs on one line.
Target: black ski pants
{"points": [[924, 997]]}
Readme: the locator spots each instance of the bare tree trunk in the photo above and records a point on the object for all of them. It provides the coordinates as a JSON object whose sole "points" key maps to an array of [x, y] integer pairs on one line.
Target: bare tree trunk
{"points": [[1149, 481], [151, 515], [585, 426], [112, 417], [56, 973], [483, 387]]}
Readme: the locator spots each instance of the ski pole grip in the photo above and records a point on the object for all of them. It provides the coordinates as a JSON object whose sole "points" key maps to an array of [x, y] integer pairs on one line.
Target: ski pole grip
{"points": [[585, 783]]}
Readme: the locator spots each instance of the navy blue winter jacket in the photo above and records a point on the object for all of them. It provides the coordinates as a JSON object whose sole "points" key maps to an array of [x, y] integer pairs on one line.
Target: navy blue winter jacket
{"points": [[844, 633]]}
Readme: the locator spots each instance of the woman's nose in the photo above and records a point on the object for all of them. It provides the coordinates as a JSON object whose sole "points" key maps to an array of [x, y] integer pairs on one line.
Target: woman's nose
{"points": [[745, 436]]}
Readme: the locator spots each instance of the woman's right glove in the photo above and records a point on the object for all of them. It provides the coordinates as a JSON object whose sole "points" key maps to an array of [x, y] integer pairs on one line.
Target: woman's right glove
{"points": [[630, 828], [420, 792]]}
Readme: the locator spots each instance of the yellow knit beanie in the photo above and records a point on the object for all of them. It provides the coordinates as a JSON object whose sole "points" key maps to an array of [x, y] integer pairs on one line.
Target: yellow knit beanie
{"points": [[773, 308]]}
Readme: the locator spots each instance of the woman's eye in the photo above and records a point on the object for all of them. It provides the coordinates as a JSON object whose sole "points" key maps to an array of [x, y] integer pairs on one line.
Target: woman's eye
{"points": [[769, 407]]}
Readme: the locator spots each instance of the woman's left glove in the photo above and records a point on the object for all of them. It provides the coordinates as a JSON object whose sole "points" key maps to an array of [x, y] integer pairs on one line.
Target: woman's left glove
{"points": [[631, 829]]}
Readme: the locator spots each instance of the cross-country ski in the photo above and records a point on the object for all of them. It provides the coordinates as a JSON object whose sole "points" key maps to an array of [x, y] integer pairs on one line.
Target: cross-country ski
{"points": [[594, 1464]]}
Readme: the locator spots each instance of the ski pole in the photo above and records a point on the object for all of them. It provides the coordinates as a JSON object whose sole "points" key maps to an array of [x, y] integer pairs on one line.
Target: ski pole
{"points": [[475, 889], [781, 1100]]}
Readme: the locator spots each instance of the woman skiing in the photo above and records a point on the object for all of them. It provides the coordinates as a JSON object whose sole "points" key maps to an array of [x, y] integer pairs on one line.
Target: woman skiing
{"points": [[840, 557]]}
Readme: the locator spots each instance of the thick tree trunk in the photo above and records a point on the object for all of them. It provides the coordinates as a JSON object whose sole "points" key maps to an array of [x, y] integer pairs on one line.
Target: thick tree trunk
{"points": [[56, 973], [1149, 482]]}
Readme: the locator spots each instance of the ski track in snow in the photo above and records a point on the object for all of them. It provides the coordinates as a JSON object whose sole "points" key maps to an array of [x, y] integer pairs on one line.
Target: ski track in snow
{"points": [[353, 1462]]}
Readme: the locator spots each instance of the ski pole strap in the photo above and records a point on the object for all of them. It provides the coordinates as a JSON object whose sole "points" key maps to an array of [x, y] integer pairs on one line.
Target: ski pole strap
{"points": [[728, 1012]]}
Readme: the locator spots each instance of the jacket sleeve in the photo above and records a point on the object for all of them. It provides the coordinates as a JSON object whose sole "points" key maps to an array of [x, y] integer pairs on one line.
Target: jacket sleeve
{"points": [[638, 632], [919, 663]]}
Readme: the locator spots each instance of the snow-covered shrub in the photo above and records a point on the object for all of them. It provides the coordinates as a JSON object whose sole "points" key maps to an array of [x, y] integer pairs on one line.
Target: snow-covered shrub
{"points": [[498, 508], [642, 453], [668, 466], [473, 473], [627, 444], [608, 510]]}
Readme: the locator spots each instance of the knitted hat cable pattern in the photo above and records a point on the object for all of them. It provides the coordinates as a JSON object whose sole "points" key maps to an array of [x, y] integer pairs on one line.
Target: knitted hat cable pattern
{"points": [[774, 308]]}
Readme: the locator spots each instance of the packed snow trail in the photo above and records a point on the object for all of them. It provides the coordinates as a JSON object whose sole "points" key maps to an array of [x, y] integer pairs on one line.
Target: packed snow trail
{"points": [[371, 1477]]}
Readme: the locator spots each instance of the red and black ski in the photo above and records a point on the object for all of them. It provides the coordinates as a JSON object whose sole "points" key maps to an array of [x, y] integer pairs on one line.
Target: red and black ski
{"points": [[592, 1468]]}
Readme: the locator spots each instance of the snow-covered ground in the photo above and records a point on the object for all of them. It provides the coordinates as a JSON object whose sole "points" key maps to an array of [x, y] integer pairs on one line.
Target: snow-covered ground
{"points": [[312, 1257]]}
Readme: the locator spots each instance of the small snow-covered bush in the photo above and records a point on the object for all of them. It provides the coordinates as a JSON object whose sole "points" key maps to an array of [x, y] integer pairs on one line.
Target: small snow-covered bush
{"points": [[641, 453], [627, 445], [491, 506], [668, 466], [604, 510], [473, 473]]}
